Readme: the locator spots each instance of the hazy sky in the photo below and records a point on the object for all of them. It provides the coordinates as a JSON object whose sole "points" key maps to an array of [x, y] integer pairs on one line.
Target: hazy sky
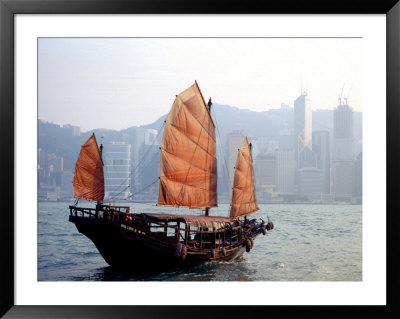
{"points": [[117, 83]]}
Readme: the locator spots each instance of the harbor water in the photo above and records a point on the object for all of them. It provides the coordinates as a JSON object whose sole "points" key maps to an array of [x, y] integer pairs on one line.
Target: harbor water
{"points": [[308, 243]]}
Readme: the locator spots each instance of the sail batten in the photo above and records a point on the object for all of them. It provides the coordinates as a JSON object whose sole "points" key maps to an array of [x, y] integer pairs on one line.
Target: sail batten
{"points": [[88, 181], [244, 194], [188, 169]]}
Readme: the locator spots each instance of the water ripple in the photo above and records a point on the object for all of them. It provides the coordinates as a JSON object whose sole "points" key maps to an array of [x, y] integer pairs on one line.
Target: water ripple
{"points": [[308, 243]]}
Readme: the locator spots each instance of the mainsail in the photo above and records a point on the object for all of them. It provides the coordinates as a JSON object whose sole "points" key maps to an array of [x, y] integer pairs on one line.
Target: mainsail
{"points": [[188, 163], [244, 194], [89, 177]]}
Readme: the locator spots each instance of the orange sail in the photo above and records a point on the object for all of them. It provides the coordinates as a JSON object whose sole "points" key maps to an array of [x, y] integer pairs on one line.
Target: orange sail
{"points": [[188, 164], [244, 193], [89, 177]]}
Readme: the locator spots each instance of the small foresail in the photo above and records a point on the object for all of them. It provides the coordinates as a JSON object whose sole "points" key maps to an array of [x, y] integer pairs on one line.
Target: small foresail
{"points": [[89, 177], [244, 193], [188, 163]]}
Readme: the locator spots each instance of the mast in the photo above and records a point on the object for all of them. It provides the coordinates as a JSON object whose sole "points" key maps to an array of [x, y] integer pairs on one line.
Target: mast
{"points": [[188, 162], [101, 158], [209, 111]]}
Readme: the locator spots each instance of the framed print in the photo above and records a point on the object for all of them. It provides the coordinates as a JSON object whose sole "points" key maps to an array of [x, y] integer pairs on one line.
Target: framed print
{"points": [[92, 75]]}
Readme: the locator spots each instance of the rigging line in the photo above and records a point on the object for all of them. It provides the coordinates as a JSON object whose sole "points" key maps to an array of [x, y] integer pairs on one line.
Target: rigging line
{"points": [[123, 190], [108, 177], [130, 196], [145, 155], [105, 170], [114, 196], [137, 202], [143, 189], [133, 171], [155, 155], [126, 187], [111, 196]]}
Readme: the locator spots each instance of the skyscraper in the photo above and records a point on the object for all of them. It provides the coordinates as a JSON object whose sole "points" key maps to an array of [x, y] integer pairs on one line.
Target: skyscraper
{"points": [[141, 136], [343, 175], [343, 133], [116, 158], [310, 181], [285, 171], [264, 169], [265, 174], [343, 169], [358, 177], [302, 128], [321, 149]]}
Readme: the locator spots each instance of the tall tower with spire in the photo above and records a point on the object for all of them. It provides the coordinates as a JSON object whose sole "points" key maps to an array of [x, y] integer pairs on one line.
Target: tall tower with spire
{"points": [[302, 130]]}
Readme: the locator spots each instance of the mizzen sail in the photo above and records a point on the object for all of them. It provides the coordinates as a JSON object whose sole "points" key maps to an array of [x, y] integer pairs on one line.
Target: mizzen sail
{"points": [[89, 177], [188, 163], [244, 193]]}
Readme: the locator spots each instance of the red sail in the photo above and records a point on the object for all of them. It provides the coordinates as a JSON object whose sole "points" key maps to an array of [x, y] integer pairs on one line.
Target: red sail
{"points": [[244, 193], [188, 165], [89, 177]]}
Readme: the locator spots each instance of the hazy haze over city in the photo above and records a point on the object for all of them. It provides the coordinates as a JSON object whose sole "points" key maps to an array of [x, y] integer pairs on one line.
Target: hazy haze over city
{"points": [[116, 83]]}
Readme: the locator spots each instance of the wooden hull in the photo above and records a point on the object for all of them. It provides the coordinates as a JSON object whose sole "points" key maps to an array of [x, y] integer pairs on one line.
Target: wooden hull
{"points": [[124, 244]]}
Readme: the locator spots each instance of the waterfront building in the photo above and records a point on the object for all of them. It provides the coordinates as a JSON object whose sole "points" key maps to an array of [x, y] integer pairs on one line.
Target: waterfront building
{"points": [[265, 175], [272, 146], [302, 127], [264, 169], [149, 171], [307, 158], [285, 171], [358, 177], [141, 136], [66, 189], [343, 168], [310, 181], [343, 133], [55, 163], [321, 149], [343, 179], [117, 168]]}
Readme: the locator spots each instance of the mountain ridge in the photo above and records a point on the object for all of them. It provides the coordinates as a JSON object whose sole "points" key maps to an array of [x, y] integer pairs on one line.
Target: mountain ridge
{"points": [[273, 124]]}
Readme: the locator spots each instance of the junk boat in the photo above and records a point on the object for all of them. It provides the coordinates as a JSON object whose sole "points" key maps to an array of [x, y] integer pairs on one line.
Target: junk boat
{"points": [[188, 178]]}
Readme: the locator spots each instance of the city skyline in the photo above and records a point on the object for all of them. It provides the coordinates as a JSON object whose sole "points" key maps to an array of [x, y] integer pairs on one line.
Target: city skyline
{"points": [[116, 83], [318, 174]]}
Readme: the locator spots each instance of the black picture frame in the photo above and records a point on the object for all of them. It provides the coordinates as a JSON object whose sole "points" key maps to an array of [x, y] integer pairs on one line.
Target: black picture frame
{"points": [[8, 8]]}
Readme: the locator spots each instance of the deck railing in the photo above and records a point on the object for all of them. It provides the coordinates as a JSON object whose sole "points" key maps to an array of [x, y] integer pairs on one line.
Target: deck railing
{"points": [[82, 212], [218, 237], [108, 213]]}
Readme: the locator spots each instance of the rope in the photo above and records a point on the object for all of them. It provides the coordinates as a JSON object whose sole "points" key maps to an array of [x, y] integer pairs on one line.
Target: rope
{"points": [[143, 189], [123, 190], [158, 134], [137, 166]]}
